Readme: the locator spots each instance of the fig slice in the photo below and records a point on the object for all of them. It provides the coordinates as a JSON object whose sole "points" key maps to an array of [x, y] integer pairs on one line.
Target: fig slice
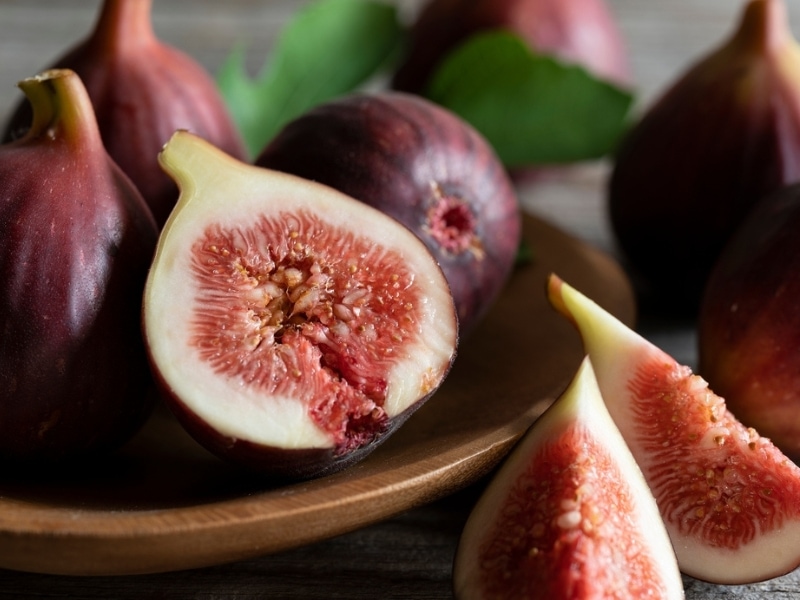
{"points": [[730, 499], [568, 514], [292, 328]]}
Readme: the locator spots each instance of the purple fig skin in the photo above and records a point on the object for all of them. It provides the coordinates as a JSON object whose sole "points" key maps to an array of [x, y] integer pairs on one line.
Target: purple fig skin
{"points": [[423, 166], [143, 90], [581, 32], [78, 240], [722, 137], [749, 325]]}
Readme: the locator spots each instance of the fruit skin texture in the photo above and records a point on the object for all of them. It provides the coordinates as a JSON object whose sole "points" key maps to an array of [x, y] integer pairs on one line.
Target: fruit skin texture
{"points": [[78, 240], [424, 166], [142, 91], [730, 499], [582, 32], [725, 134], [568, 515], [749, 326], [291, 328]]}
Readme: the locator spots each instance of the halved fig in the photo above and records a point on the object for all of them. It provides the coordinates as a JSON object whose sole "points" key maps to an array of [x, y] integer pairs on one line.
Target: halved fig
{"points": [[730, 499], [292, 327], [568, 515]]}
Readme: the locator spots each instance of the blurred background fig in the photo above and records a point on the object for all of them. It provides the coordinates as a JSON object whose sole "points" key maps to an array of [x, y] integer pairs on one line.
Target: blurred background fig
{"points": [[292, 329], [749, 323], [581, 32], [424, 166], [77, 242], [726, 133], [142, 91]]}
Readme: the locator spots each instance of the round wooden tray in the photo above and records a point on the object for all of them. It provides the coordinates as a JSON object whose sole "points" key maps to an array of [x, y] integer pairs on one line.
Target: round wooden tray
{"points": [[163, 503]]}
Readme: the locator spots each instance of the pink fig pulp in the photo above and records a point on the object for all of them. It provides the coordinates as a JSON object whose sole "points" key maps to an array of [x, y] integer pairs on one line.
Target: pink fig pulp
{"points": [[729, 497]]}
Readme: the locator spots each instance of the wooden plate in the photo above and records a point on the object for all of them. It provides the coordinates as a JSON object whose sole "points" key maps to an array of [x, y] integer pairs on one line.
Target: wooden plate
{"points": [[163, 503]]}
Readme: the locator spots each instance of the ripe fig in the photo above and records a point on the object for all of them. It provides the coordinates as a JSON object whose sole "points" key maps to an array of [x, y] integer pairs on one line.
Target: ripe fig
{"points": [[730, 499], [424, 166], [749, 325], [143, 90], [724, 135], [580, 32], [77, 243], [292, 328], [568, 514]]}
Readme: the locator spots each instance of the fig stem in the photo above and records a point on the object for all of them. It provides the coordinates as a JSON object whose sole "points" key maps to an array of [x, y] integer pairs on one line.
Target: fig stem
{"points": [[124, 25], [764, 27], [61, 108]]}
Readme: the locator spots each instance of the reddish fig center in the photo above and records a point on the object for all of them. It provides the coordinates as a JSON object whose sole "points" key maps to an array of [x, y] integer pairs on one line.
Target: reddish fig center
{"points": [[716, 479], [303, 310], [452, 224], [566, 530]]}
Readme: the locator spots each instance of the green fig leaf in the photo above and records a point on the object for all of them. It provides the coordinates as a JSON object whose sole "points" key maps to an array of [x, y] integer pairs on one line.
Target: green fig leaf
{"points": [[531, 107], [329, 48]]}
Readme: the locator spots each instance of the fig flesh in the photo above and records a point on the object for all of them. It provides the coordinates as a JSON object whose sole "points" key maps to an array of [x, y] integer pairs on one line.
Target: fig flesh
{"points": [[580, 32], [77, 243], [568, 515], [729, 498], [424, 166], [143, 90], [749, 325], [292, 328], [723, 136]]}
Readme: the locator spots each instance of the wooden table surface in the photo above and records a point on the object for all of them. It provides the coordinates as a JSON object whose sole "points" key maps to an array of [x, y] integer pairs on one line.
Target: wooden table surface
{"points": [[408, 556]]}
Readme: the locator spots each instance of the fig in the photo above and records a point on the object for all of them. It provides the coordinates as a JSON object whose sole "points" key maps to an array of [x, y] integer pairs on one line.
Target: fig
{"points": [[729, 497], [424, 166], [581, 32], [77, 243], [568, 514], [725, 134], [143, 90], [292, 328], [749, 326]]}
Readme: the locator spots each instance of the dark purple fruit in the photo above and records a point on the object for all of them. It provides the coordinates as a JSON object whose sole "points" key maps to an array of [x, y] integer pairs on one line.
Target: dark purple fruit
{"points": [[77, 243], [749, 322], [291, 328], [580, 32], [424, 166], [722, 137], [143, 90]]}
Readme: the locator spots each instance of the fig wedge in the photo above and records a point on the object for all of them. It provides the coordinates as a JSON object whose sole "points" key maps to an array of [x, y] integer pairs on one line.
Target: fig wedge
{"points": [[730, 499], [291, 327], [568, 515]]}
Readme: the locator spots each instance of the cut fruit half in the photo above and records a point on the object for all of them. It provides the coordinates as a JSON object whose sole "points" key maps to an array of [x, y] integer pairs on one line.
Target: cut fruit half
{"points": [[568, 515], [292, 327], [730, 499]]}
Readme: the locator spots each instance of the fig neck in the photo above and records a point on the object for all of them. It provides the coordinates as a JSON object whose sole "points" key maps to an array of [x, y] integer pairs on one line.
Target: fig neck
{"points": [[124, 25], [62, 110], [764, 27]]}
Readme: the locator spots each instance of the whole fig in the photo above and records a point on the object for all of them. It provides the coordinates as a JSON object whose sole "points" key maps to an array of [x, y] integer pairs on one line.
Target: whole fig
{"points": [[424, 166], [142, 90], [688, 173], [78, 239], [581, 32], [749, 324]]}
